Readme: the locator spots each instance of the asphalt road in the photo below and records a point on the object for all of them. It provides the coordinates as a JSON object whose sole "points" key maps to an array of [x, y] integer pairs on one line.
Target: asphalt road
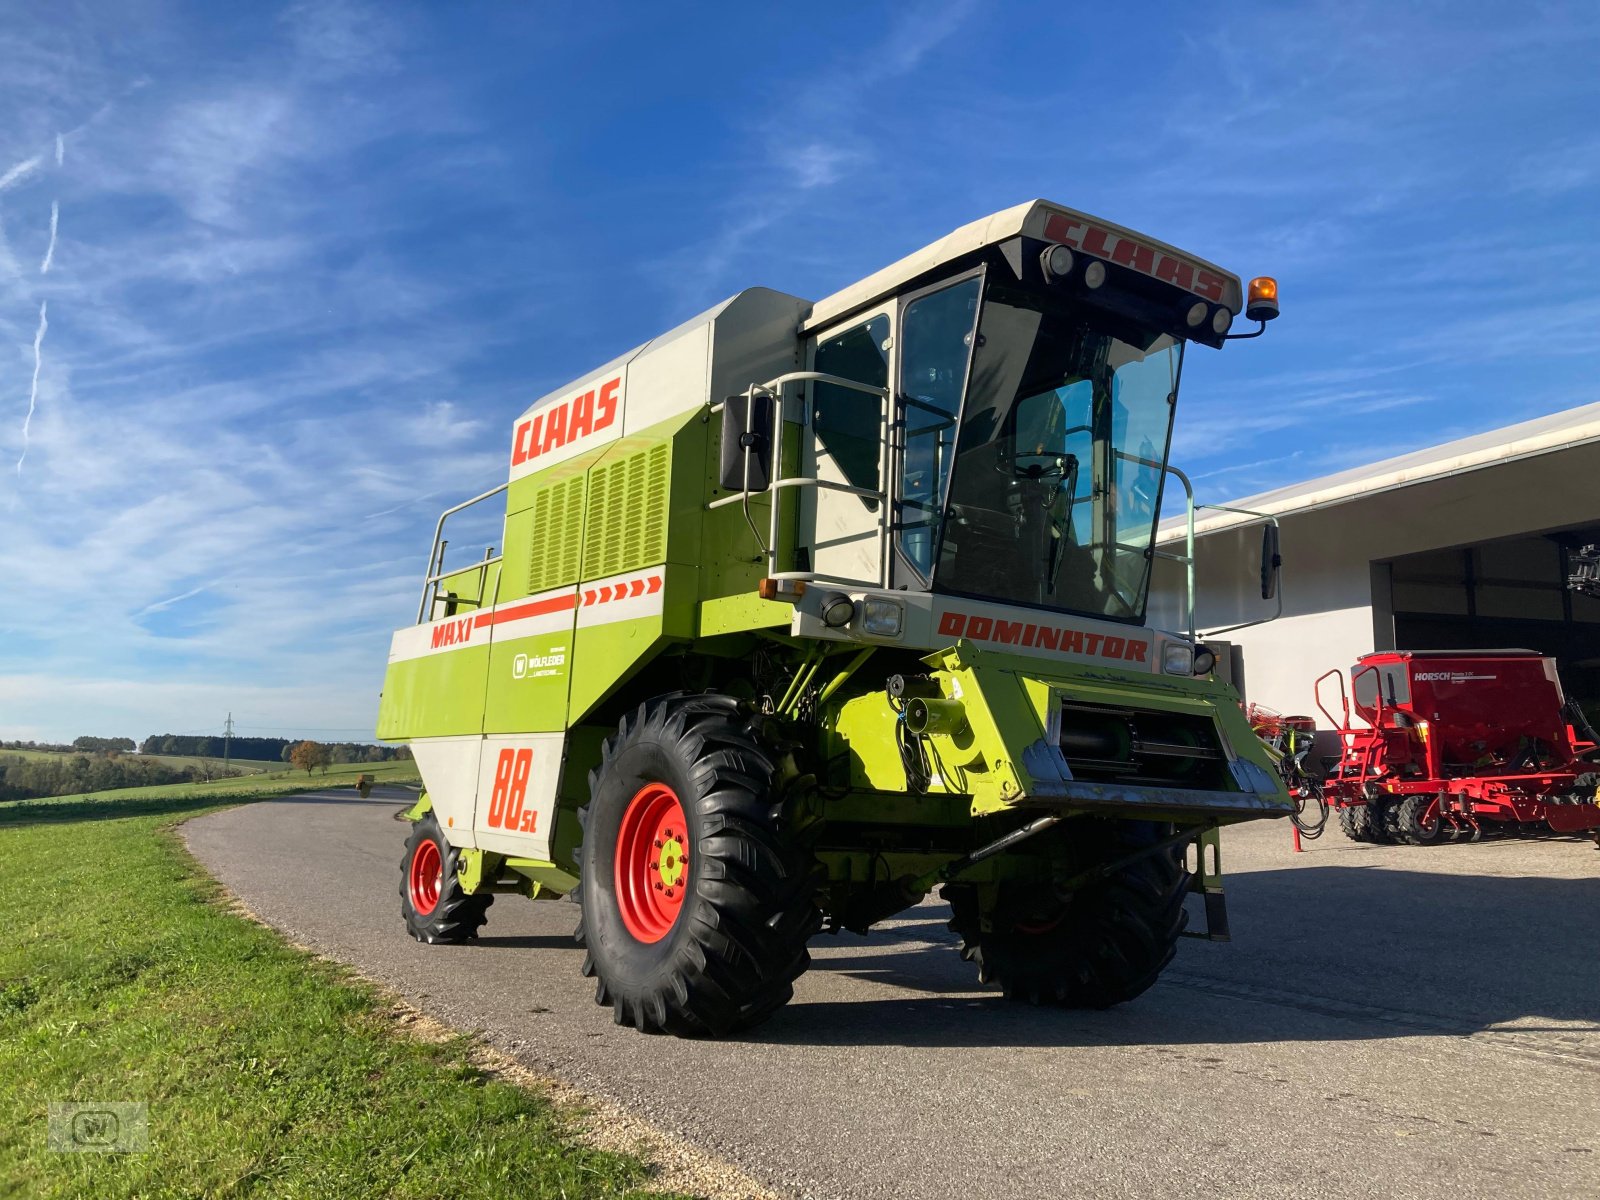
{"points": [[1388, 1021]]}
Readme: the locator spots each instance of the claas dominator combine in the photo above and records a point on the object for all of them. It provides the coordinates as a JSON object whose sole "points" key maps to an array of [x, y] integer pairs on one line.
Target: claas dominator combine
{"points": [[804, 609], [1457, 743]]}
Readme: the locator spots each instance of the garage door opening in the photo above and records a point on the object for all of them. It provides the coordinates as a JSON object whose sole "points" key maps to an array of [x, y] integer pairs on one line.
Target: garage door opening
{"points": [[1510, 592]]}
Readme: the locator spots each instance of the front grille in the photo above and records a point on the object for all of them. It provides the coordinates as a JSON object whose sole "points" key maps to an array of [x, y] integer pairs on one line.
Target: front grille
{"points": [[1108, 743]]}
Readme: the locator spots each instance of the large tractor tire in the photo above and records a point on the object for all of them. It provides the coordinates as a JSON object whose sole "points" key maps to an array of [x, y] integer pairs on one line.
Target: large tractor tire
{"points": [[435, 906], [1417, 820], [1098, 946], [1381, 818], [1355, 822], [696, 907]]}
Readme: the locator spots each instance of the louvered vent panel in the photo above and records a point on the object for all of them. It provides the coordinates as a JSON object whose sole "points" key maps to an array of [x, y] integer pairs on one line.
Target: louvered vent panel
{"points": [[627, 518], [557, 535]]}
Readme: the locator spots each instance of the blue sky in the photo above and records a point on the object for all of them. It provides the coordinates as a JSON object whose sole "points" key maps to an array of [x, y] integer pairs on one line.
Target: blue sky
{"points": [[309, 261]]}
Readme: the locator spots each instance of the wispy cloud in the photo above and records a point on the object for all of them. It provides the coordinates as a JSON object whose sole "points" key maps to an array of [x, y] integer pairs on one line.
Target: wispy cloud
{"points": [[20, 172], [33, 390], [50, 250]]}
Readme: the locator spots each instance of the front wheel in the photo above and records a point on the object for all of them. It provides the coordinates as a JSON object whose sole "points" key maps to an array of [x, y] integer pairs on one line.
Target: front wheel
{"points": [[696, 905], [435, 906], [1101, 945]]}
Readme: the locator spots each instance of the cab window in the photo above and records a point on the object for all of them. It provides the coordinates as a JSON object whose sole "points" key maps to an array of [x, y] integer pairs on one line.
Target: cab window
{"points": [[850, 424]]}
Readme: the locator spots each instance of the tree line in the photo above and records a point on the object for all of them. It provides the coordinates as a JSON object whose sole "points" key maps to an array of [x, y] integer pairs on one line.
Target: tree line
{"points": [[261, 749], [71, 774]]}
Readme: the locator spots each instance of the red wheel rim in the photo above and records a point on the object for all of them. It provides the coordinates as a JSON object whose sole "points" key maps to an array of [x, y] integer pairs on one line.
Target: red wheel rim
{"points": [[652, 868], [426, 876]]}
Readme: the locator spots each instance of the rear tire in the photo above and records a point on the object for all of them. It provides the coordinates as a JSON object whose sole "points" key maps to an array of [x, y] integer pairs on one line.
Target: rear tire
{"points": [[1417, 820], [682, 803], [1101, 945], [1355, 822], [435, 906]]}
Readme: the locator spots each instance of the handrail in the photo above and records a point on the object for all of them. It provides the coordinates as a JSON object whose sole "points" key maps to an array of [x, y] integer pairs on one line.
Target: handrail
{"points": [[1187, 558], [1344, 699], [774, 389], [1377, 717], [436, 555]]}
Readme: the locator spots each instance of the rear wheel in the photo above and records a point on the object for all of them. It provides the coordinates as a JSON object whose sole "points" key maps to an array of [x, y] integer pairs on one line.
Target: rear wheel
{"points": [[435, 906], [1416, 820], [1355, 822], [696, 906], [1100, 945]]}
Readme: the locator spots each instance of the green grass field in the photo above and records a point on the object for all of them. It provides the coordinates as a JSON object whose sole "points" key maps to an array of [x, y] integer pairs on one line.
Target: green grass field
{"points": [[267, 1072]]}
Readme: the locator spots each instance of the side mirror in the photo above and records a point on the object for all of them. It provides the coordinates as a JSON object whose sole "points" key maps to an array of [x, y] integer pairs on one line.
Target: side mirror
{"points": [[1271, 561], [746, 437]]}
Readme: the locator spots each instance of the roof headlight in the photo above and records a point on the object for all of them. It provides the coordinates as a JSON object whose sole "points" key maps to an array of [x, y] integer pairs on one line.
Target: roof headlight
{"points": [[1094, 274], [1197, 313], [1057, 262], [1222, 322]]}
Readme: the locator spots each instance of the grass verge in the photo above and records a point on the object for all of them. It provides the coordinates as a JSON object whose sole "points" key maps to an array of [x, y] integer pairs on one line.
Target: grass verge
{"points": [[267, 1072]]}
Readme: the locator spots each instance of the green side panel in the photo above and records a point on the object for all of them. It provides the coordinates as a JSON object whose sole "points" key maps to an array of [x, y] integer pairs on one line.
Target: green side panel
{"points": [[528, 682], [626, 525], [642, 510], [735, 564], [434, 696], [557, 535], [606, 656], [544, 527]]}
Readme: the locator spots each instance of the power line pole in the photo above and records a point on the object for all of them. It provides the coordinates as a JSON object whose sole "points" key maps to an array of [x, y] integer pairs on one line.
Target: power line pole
{"points": [[227, 742]]}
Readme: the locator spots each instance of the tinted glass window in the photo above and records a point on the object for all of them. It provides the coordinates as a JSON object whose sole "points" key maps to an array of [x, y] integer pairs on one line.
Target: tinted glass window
{"points": [[850, 424], [936, 345]]}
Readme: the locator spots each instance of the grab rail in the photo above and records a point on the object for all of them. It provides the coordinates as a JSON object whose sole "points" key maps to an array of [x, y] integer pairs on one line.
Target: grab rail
{"points": [[1187, 558], [436, 571], [775, 389]]}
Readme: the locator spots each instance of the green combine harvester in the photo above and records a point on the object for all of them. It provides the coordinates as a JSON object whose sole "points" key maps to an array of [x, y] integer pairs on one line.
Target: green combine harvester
{"points": [[805, 609]]}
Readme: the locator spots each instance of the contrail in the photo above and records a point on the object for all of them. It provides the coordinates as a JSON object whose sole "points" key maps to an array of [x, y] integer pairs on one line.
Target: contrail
{"points": [[21, 170], [168, 602], [33, 395], [61, 149], [50, 250]]}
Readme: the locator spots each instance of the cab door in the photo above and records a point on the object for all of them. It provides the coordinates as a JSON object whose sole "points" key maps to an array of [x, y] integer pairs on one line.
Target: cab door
{"points": [[848, 446]]}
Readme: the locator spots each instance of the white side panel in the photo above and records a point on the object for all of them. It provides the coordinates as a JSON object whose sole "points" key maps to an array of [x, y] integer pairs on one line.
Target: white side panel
{"points": [[590, 415], [622, 598], [936, 621], [449, 769], [516, 787], [667, 379]]}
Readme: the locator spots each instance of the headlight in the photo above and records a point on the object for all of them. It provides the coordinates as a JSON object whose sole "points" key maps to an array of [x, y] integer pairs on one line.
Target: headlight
{"points": [[881, 618], [1177, 658], [837, 610]]}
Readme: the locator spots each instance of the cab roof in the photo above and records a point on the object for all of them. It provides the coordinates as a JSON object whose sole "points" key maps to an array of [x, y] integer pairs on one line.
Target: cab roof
{"points": [[1039, 219]]}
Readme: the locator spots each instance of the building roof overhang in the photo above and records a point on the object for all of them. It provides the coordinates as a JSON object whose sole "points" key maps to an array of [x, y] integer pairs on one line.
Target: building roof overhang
{"points": [[1512, 443]]}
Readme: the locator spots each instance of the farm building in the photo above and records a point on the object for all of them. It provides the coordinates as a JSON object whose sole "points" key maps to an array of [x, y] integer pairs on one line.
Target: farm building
{"points": [[1464, 545]]}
